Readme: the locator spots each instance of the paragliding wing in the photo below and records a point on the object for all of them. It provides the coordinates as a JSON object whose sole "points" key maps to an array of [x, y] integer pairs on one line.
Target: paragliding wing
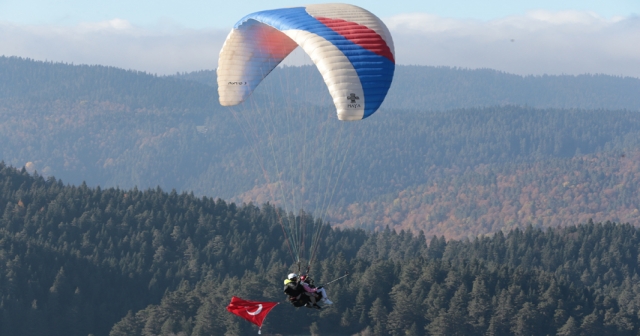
{"points": [[252, 311], [351, 48]]}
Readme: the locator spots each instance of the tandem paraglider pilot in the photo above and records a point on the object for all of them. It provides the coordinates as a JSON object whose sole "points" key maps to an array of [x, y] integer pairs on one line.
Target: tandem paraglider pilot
{"points": [[302, 292]]}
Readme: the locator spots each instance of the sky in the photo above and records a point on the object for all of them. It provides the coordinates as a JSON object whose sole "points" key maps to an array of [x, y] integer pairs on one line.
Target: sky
{"points": [[167, 36]]}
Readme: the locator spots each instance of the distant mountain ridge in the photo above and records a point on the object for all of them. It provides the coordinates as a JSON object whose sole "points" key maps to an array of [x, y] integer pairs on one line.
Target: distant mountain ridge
{"points": [[444, 88], [112, 127], [34, 82], [414, 87]]}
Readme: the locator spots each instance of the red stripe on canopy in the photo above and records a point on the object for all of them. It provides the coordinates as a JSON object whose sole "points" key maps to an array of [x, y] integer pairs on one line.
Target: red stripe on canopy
{"points": [[360, 35]]}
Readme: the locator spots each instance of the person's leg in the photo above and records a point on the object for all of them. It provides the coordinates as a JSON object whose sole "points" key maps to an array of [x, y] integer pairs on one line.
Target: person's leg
{"points": [[323, 293], [325, 299], [312, 298]]}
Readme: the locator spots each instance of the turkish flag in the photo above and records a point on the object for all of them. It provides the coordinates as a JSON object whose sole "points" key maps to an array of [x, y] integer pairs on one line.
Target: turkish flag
{"points": [[252, 311]]}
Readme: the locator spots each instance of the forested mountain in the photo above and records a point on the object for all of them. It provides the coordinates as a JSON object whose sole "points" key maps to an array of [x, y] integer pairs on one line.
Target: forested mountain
{"points": [[37, 85], [76, 260], [430, 159], [489, 198], [444, 88]]}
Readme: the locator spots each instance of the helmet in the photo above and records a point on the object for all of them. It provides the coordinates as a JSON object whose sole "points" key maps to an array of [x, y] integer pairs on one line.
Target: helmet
{"points": [[303, 277], [292, 276]]}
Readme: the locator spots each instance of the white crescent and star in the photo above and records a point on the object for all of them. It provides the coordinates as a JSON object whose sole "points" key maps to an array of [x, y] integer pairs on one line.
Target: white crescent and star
{"points": [[255, 312]]}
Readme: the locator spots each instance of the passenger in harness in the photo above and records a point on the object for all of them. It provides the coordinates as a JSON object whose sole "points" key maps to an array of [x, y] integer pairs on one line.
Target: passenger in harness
{"points": [[309, 287], [297, 294]]}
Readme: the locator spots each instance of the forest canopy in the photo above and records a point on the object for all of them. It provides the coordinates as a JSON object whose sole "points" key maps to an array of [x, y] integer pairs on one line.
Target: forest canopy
{"points": [[76, 260]]}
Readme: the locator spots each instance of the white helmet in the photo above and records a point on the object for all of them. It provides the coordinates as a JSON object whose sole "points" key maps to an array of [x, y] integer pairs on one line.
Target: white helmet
{"points": [[292, 276]]}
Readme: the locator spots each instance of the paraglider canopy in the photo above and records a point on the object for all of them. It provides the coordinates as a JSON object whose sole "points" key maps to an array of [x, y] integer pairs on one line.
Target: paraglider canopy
{"points": [[351, 48], [354, 53]]}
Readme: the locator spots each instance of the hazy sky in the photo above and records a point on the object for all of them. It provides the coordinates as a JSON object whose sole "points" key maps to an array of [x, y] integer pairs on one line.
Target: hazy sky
{"points": [[166, 36]]}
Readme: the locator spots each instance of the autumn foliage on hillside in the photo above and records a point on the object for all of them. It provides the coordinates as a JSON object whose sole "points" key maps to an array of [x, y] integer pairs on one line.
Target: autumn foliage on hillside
{"points": [[490, 198]]}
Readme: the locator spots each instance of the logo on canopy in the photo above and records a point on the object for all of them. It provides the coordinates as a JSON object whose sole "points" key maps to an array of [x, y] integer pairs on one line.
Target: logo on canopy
{"points": [[353, 98]]}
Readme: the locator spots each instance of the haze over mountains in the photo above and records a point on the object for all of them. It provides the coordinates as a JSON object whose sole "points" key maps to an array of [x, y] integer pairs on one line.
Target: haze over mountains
{"points": [[452, 151]]}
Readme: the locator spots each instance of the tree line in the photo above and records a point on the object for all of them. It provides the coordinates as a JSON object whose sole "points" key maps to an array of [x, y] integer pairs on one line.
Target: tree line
{"points": [[78, 260]]}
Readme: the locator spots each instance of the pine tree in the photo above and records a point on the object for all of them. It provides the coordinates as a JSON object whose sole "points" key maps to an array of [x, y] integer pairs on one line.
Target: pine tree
{"points": [[526, 322], [592, 324], [129, 325], [378, 316], [499, 324], [570, 328], [479, 306], [442, 324], [458, 312], [205, 321]]}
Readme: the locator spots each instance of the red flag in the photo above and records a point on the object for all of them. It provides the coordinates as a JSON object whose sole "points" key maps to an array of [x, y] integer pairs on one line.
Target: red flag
{"points": [[252, 311]]}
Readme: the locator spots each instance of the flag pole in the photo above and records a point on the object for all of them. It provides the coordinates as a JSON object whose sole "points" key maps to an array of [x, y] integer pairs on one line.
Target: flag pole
{"points": [[260, 327]]}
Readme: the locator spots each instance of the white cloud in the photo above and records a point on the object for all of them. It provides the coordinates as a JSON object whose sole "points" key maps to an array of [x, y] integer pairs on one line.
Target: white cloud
{"points": [[570, 42], [117, 43], [110, 25], [425, 23], [539, 42]]}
